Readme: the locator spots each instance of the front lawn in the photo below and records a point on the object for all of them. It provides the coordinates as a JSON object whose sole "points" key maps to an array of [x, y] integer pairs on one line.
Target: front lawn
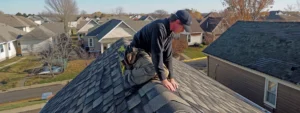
{"points": [[11, 75], [73, 69], [22, 103], [21, 67], [6, 62], [194, 52]]}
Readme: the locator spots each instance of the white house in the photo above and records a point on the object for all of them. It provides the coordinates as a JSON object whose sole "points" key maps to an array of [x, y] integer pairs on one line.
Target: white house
{"points": [[195, 37], [8, 44], [18, 22], [84, 26], [40, 38], [102, 37]]}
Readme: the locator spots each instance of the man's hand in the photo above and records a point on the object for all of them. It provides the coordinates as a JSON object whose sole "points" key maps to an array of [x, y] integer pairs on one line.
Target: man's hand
{"points": [[168, 85], [174, 83]]}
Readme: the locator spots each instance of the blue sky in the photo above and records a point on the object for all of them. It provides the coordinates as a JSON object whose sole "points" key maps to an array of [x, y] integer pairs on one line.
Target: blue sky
{"points": [[133, 6]]}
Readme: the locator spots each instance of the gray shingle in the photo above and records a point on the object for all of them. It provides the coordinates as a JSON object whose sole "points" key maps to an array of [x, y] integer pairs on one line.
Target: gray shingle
{"points": [[97, 101], [135, 100], [192, 83], [261, 47]]}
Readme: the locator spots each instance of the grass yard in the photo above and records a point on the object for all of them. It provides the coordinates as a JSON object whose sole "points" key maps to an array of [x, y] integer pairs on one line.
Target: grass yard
{"points": [[73, 69], [11, 75], [9, 80], [29, 63], [5, 62], [23, 103], [194, 52]]}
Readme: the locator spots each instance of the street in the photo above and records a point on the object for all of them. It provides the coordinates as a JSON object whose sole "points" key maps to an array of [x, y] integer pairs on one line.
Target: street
{"points": [[28, 93], [198, 64]]}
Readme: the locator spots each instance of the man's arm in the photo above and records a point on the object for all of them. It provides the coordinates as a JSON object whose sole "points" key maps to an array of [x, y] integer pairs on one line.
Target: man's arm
{"points": [[157, 50], [168, 58]]}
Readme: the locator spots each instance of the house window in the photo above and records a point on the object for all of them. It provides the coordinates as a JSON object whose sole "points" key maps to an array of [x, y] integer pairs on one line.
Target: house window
{"points": [[189, 38], [8, 44], [270, 93], [1, 48], [91, 42]]}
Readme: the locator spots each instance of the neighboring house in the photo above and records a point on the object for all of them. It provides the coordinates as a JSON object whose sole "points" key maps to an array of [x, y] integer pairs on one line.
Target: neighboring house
{"points": [[146, 18], [18, 22], [213, 27], [281, 16], [259, 60], [36, 19], [102, 37], [9, 47], [195, 37], [99, 88], [40, 38], [136, 25], [84, 26]]}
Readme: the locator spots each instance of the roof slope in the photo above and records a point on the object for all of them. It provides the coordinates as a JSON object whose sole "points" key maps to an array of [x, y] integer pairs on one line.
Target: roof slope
{"points": [[56, 27], [145, 17], [105, 28], [210, 23], [100, 88], [269, 47], [81, 24], [39, 33], [16, 21], [8, 33], [136, 25], [196, 26]]}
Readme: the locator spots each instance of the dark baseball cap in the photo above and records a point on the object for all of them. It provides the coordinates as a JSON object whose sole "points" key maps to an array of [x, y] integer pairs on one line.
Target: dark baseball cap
{"points": [[185, 18]]}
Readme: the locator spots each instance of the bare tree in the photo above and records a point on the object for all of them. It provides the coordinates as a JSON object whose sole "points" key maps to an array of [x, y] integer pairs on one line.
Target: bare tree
{"points": [[83, 12], [58, 52], [160, 13], [247, 9], [65, 10], [119, 11], [1, 12]]}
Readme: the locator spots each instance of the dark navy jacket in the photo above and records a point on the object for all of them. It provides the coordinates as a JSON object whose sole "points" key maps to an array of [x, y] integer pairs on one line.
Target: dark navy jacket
{"points": [[156, 39]]}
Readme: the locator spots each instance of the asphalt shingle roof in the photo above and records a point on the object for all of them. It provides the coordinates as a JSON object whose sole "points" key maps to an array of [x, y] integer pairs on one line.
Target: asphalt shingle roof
{"points": [[8, 33], [268, 47], [99, 88], [145, 17], [16, 21], [196, 26], [56, 27], [39, 33], [136, 25], [210, 23], [105, 28]]}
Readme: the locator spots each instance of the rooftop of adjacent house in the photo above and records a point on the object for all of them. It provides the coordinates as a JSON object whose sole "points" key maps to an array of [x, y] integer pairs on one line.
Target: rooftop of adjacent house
{"points": [[145, 17], [210, 23], [268, 47], [56, 27], [107, 27], [16, 21], [283, 16], [8, 33], [136, 25], [195, 27], [99, 88]]}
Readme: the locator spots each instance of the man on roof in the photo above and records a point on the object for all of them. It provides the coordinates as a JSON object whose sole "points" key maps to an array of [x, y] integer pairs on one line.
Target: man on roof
{"points": [[155, 39]]}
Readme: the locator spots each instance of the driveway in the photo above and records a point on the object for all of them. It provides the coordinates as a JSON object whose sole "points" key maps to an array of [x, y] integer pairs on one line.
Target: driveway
{"points": [[198, 64], [28, 93]]}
